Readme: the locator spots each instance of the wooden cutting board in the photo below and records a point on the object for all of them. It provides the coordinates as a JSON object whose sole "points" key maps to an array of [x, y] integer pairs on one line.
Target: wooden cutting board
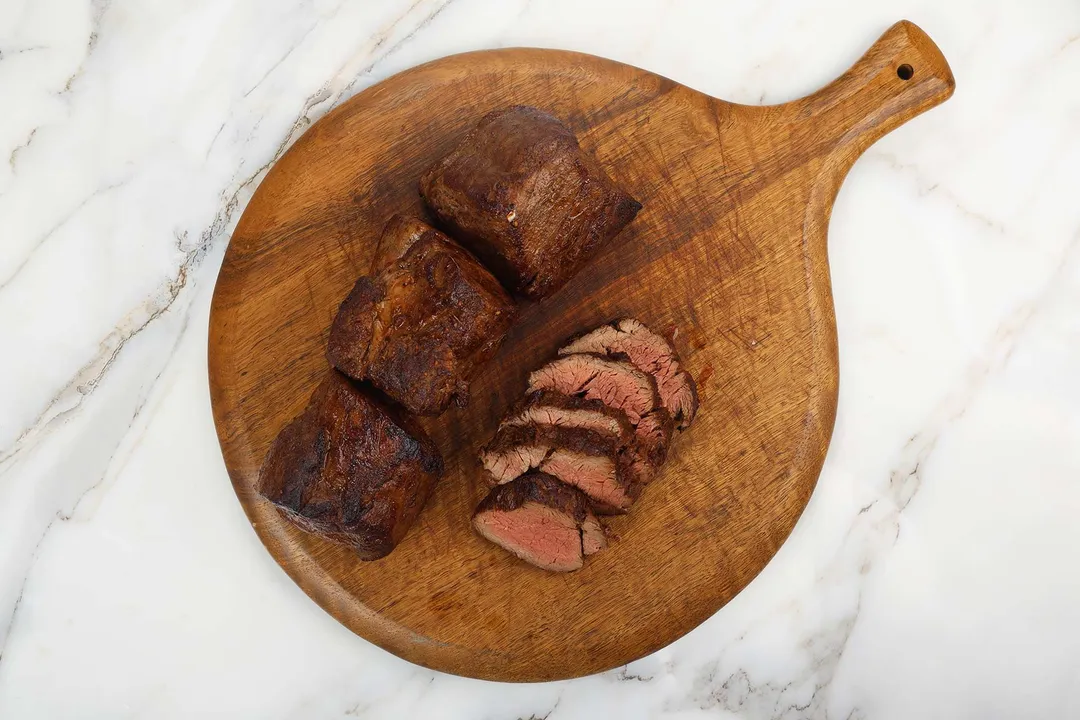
{"points": [[730, 250]]}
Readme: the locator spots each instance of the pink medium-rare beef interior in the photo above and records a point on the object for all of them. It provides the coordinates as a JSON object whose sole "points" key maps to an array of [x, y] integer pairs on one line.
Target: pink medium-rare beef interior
{"points": [[550, 407], [615, 382], [623, 387], [596, 476], [541, 521], [538, 535], [594, 423], [593, 538], [507, 461], [652, 438], [599, 465], [650, 353]]}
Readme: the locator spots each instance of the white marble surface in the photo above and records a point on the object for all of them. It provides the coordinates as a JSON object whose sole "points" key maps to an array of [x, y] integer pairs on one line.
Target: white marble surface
{"points": [[935, 571]]}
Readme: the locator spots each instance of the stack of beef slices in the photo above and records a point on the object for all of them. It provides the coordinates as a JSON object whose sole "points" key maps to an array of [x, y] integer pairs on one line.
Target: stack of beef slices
{"points": [[529, 209], [593, 430]]}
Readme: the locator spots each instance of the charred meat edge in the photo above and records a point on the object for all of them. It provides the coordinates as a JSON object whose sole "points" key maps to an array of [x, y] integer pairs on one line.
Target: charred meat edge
{"points": [[539, 487]]}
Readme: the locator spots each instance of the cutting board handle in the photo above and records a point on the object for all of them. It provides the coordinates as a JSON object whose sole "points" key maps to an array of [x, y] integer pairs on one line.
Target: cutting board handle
{"points": [[902, 75]]}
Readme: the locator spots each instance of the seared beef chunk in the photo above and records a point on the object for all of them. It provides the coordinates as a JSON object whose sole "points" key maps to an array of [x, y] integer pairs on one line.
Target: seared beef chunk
{"points": [[596, 464], [351, 469], [521, 193], [542, 521], [620, 385], [650, 353], [425, 320]]}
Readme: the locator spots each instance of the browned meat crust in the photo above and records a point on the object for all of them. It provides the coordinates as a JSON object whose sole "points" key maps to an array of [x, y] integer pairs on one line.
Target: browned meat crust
{"points": [[538, 487], [423, 323], [576, 456], [351, 468], [550, 407], [647, 442], [542, 521], [521, 193]]}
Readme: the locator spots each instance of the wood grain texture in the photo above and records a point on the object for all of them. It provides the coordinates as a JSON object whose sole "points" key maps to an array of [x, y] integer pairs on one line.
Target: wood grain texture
{"points": [[730, 248]]}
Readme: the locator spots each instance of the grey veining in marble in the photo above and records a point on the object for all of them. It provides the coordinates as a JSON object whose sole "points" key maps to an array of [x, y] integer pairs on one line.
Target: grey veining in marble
{"points": [[934, 571]]}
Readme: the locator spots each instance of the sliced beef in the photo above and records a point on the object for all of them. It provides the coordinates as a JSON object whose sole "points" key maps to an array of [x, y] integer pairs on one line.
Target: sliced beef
{"points": [[617, 383], [652, 437], [650, 353], [611, 380], [550, 407], [596, 464], [351, 468], [647, 442], [542, 521], [593, 537], [522, 195], [425, 320]]}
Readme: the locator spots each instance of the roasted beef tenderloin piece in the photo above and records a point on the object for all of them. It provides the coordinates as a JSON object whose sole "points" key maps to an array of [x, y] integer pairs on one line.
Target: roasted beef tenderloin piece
{"points": [[650, 353], [519, 191], [542, 521], [351, 468], [596, 464], [421, 325], [616, 382]]}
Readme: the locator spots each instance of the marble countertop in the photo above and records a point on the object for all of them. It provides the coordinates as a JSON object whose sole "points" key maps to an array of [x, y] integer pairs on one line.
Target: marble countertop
{"points": [[934, 572]]}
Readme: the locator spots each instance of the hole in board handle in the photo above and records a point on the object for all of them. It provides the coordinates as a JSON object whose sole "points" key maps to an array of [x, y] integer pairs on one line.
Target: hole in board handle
{"points": [[905, 72]]}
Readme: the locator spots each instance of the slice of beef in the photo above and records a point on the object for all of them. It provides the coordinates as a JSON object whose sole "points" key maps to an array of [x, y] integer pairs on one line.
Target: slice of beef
{"points": [[522, 195], [596, 464], [650, 353], [550, 407], [423, 323], [616, 382], [351, 468], [647, 442], [593, 537], [613, 381], [653, 435], [540, 520]]}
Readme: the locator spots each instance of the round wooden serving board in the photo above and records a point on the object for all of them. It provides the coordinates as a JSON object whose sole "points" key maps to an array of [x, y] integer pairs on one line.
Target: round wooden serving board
{"points": [[730, 249]]}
